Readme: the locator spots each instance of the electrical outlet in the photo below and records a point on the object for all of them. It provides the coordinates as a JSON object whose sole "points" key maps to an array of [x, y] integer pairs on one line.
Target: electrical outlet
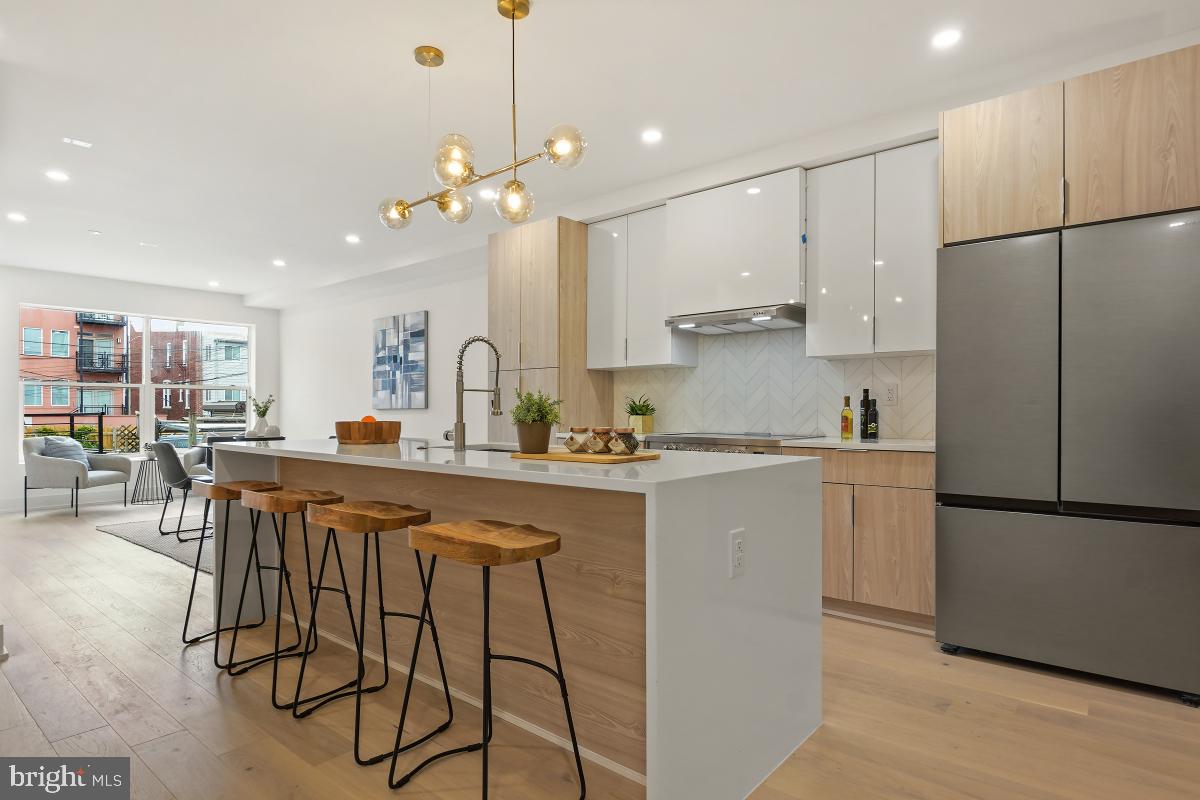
{"points": [[737, 552], [891, 394]]}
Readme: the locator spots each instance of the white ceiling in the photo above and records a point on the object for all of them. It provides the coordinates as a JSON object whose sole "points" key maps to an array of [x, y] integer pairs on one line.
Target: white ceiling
{"points": [[231, 133]]}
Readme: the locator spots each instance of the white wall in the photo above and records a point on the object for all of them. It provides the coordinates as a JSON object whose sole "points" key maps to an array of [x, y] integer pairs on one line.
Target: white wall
{"points": [[68, 290], [326, 348]]}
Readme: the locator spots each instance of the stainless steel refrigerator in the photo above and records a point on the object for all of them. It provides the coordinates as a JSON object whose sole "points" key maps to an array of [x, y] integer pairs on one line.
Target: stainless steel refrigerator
{"points": [[1068, 464]]}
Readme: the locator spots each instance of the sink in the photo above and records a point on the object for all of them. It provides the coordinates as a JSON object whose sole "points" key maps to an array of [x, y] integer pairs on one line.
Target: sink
{"points": [[482, 448]]}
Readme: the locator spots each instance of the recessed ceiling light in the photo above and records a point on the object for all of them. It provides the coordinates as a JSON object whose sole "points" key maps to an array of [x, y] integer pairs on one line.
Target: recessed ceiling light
{"points": [[94, 232], [77, 142], [214, 284], [147, 244], [57, 175], [824, 290], [944, 40], [899, 299], [352, 238], [753, 190], [879, 263], [615, 234], [16, 216], [745, 274], [279, 262], [866, 318], [652, 136], [487, 194]]}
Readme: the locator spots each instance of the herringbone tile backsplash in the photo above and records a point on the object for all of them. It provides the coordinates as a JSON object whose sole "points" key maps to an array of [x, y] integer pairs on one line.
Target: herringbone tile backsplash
{"points": [[764, 382]]}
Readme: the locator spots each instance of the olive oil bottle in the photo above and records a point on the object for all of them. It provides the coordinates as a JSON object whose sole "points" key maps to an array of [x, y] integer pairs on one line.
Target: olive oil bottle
{"points": [[872, 422], [863, 408], [847, 420]]}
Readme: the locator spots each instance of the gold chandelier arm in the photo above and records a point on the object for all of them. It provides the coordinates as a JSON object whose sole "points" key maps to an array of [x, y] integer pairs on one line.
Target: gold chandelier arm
{"points": [[438, 196]]}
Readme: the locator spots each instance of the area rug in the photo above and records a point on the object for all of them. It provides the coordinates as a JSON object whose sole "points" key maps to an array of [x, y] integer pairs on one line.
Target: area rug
{"points": [[145, 534]]}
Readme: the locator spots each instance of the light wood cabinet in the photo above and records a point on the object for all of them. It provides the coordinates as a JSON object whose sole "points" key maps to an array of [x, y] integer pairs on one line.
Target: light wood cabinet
{"points": [[893, 548], [1133, 138], [837, 541], [537, 315], [877, 526], [1002, 165]]}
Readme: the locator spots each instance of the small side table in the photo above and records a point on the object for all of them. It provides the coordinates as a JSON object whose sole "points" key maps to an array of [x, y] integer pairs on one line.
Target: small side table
{"points": [[148, 486]]}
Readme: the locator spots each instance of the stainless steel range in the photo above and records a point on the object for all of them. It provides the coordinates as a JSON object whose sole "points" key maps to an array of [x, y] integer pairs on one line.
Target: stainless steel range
{"points": [[752, 442]]}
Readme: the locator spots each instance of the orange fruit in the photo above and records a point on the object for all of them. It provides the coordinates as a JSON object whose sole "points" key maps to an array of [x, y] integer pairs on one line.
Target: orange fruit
{"points": [[368, 418]]}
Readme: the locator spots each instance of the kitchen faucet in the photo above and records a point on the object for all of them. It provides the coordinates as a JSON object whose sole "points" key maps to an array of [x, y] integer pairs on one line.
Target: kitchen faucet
{"points": [[459, 434]]}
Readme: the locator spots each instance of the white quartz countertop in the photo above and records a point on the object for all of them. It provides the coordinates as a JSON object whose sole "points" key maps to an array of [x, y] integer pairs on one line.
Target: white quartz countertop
{"points": [[835, 442], [412, 454]]}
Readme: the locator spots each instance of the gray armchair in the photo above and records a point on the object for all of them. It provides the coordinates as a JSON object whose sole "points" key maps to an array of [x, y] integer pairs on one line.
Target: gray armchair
{"points": [[45, 472]]}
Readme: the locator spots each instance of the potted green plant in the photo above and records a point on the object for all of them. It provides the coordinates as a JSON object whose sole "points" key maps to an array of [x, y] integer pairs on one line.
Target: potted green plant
{"points": [[534, 415], [641, 414]]}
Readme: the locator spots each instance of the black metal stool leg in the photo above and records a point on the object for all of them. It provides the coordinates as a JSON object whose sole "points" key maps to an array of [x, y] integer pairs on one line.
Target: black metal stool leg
{"points": [[219, 587], [393, 781], [277, 653], [318, 700], [195, 574], [562, 681], [487, 672], [234, 666], [383, 615]]}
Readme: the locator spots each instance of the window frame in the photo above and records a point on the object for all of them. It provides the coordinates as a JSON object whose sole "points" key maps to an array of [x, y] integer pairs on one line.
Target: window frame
{"points": [[25, 341], [41, 390], [66, 345], [64, 387]]}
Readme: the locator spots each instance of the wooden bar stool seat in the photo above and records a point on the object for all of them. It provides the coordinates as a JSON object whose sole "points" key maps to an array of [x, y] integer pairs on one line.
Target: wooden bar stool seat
{"points": [[216, 492], [288, 501], [232, 490], [280, 504], [367, 516], [484, 542]]}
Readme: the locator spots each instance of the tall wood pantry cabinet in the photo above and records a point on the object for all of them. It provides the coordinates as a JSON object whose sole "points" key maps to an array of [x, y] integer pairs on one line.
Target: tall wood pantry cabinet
{"points": [[537, 316]]}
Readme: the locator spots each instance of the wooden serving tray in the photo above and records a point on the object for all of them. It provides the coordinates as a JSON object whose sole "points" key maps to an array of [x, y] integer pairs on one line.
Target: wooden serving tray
{"points": [[590, 458]]}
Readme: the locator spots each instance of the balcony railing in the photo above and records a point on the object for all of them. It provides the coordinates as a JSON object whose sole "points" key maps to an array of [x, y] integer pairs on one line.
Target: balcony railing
{"points": [[99, 319], [102, 362]]}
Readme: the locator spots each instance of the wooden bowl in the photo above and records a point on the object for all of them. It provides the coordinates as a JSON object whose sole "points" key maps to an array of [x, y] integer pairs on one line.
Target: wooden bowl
{"points": [[378, 432]]}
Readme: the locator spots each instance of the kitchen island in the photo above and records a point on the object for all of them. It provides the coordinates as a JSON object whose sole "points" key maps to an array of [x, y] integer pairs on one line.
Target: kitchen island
{"points": [[687, 674]]}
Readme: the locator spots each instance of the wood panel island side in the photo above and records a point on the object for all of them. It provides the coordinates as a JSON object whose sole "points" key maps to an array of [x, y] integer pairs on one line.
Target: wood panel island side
{"points": [[695, 683]]}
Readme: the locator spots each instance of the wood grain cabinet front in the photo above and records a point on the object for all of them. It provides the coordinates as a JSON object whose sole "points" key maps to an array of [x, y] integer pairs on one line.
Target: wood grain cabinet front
{"points": [[837, 541], [1133, 138], [1002, 165], [893, 548]]}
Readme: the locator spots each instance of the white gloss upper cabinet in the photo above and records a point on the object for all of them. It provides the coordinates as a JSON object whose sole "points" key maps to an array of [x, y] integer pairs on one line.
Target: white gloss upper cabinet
{"points": [[737, 246], [607, 281], [906, 240], [841, 232], [628, 291]]}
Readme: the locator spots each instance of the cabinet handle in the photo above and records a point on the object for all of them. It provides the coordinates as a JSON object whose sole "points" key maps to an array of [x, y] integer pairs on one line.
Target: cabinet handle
{"points": [[1062, 197], [627, 350]]}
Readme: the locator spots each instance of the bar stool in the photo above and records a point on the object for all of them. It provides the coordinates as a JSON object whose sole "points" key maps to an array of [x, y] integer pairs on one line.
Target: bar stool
{"points": [[485, 543], [277, 502], [216, 492], [369, 518]]}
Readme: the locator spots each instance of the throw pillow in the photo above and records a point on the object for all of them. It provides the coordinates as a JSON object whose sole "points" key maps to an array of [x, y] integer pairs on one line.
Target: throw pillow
{"points": [[65, 447]]}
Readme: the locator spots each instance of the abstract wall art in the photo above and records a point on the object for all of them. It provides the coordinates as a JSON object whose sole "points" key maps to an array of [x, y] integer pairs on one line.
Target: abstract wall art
{"points": [[399, 366]]}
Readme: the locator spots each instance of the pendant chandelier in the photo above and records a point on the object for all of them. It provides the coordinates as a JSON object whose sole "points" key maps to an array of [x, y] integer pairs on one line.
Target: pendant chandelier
{"points": [[454, 159]]}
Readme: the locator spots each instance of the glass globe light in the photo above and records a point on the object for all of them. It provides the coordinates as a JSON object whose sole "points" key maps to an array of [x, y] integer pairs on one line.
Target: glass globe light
{"points": [[455, 206], [395, 213], [513, 202], [565, 146], [452, 163]]}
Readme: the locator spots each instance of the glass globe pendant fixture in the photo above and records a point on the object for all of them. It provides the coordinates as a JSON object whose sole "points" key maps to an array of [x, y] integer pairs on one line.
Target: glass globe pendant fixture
{"points": [[454, 155], [513, 202], [455, 206]]}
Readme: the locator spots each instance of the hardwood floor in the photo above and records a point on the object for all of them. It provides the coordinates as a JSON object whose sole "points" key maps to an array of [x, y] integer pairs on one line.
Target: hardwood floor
{"points": [[97, 668]]}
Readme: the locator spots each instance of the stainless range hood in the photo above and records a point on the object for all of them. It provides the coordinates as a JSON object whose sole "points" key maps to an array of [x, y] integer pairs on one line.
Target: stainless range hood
{"points": [[741, 320]]}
